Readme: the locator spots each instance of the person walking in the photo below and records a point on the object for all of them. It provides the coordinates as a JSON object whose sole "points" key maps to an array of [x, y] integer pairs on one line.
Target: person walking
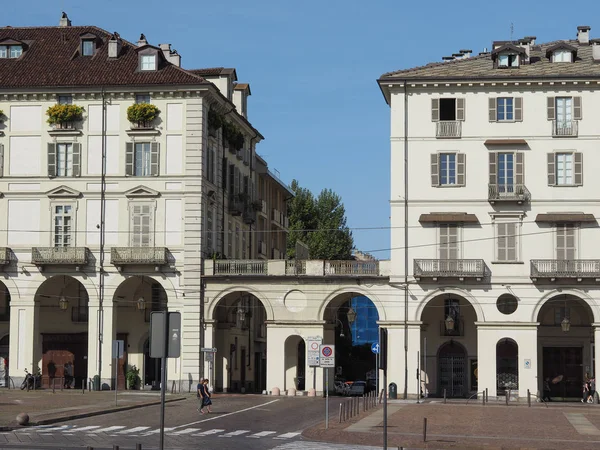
{"points": [[201, 394], [68, 373], [588, 393], [207, 400]]}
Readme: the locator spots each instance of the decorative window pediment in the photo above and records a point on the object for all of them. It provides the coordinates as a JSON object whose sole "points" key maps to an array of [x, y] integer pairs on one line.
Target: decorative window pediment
{"points": [[141, 192], [63, 192]]}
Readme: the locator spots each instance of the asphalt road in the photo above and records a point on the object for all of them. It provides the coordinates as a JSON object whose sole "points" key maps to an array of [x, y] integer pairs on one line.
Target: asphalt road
{"points": [[237, 421]]}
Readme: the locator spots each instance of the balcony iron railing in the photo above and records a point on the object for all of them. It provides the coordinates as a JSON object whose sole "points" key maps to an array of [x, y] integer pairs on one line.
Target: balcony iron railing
{"points": [[516, 193], [449, 268], [280, 219], [236, 205], [448, 129], [564, 128], [558, 268], [240, 267], [150, 256], [458, 328], [295, 267], [262, 248], [351, 267], [47, 256], [79, 314], [4, 256]]}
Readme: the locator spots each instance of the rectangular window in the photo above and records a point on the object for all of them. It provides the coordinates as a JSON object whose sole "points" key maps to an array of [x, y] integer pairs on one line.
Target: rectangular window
{"points": [[564, 112], [562, 56], [209, 230], [148, 62], [506, 172], [142, 219], [63, 222], [142, 160], [447, 169], [65, 99], [3, 51], [507, 60], [565, 242], [448, 242], [15, 51], [64, 160], [210, 165], [142, 98], [87, 48], [237, 242], [447, 109], [229, 240], [244, 249], [564, 169], [505, 111], [506, 243]]}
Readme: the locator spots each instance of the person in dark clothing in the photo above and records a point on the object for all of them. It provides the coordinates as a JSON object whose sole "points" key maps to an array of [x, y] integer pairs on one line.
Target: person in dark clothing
{"points": [[201, 394], [546, 396], [68, 372], [207, 400]]}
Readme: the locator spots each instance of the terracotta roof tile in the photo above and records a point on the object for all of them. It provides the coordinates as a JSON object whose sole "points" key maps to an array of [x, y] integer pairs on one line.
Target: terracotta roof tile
{"points": [[482, 67], [52, 60]]}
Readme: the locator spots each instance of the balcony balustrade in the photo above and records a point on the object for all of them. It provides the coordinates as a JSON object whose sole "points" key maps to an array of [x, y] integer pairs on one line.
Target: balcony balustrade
{"points": [[5, 253], [240, 267], [578, 269], [59, 256], [449, 268], [138, 256], [448, 129], [295, 267], [282, 267], [515, 193], [351, 267], [564, 128]]}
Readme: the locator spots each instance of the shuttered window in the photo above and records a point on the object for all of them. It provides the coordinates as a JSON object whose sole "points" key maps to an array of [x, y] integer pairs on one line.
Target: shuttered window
{"points": [[565, 169], [448, 169], [142, 159], [63, 223], [565, 242], [142, 225], [506, 242], [1, 160], [230, 248], [64, 160], [210, 165], [448, 243], [209, 230]]}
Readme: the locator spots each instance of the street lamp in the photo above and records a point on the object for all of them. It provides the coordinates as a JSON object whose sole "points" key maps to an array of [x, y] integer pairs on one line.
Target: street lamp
{"points": [[566, 323], [141, 304], [63, 303], [351, 315], [341, 328], [449, 323]]}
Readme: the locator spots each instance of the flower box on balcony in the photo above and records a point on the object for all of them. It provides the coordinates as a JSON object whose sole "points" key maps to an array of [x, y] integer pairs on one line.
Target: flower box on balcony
{"points": [[141, 115], [215, 121], [63, 117]]}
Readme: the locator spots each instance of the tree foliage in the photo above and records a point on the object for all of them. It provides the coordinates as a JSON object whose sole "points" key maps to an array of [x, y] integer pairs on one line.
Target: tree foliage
{"points": [[320, 223]]}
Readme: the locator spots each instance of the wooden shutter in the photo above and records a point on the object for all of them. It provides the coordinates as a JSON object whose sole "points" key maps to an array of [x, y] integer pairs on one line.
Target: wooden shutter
{"points": [[550, 108], [519, 169], [51, 160], [518, 102], [1, 160], [511, 242], [435, 109], [501, 255], [443, 230], [578, 168], [493, 104], [565, 242], [154, 158], [135, 225], [452, 242], [461, 169], [76, 159], [236, 181], [129, 146], [460, 109], [493, 168], [435, 170], [551, 169], [232, 174], [577, 108]]}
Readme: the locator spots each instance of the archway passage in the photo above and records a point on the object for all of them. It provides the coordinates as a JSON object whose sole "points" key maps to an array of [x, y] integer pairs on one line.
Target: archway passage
{"points": [[565, 346], [62, 352], [134, 301], [507, 370], [353, 318], [449, 346], [452, 363], [240, 336]]}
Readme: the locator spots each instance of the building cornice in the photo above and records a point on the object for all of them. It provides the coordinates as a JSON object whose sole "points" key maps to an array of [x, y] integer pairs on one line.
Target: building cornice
{"points": [[486, 83]]}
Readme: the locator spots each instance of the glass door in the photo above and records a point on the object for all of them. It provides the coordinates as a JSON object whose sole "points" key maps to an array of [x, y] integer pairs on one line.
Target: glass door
{"points": [[506, 174]]}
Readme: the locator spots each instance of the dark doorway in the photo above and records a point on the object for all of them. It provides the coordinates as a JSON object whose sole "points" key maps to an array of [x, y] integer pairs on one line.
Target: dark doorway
{"points": [[59, 349], [447, 109], [300, 375], [507, 371], [151, 368], [452, 364], [243, 370], [564, 367]]}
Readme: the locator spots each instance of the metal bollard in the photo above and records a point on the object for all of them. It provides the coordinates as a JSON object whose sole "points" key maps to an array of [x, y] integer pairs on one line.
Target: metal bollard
{"points": [[340, 421], [444, 395], [487, 399], [53, 384], [138, 446], [115, 447], [483, 397], [424, 429], [528, 398], [506, 397]]}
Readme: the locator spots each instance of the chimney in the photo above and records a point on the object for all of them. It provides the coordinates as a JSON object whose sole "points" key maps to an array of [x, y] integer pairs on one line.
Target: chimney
{"points": [[170, 55], [447, 58], [583, 34], [526, 44], [64, 20], [241, 92], [466, 53], [142, 41], [114, 45], [531, 39], [596, 49]]}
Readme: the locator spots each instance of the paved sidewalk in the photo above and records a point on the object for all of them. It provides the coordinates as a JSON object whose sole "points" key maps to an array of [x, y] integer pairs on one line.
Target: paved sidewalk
{"points": [[470, 427], [44, 407]]}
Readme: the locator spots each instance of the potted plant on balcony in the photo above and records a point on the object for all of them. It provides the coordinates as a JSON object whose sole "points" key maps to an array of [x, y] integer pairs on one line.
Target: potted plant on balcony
{"points": [[1, 116], [256, 205], [64, 116], [141, 115], [133, 377], [215, 121], [232, 136]]}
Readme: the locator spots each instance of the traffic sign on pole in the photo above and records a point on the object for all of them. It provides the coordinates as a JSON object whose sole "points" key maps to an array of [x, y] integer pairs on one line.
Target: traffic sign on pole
{"points": [[375, 347], [327, 355], [312, 350]]}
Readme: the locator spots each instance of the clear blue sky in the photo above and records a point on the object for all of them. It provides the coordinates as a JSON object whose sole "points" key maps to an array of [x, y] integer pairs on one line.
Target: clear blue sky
{"points": [[312, 67]]}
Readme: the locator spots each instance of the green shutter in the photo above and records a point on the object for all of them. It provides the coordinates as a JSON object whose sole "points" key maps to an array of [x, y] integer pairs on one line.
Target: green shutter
{"points": [[51, 160], [76, 159], [154, 158], [129, 146]]}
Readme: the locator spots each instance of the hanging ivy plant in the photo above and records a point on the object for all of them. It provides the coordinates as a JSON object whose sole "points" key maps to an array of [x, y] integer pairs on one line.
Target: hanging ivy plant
{"points": [[1, 115], [62, 114], [142, 114], [233, 136], [215, 120]]}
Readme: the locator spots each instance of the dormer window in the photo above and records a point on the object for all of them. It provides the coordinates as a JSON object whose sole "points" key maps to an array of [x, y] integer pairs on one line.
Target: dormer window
{"points": [[88, 47], [11, 51], [148, 62], [562, 56], [561, 52], [508, 60]]}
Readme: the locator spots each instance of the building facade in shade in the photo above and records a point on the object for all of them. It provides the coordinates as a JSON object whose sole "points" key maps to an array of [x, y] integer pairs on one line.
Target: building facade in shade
{"points": [[180, 187], [501, 197], [364, 329]]}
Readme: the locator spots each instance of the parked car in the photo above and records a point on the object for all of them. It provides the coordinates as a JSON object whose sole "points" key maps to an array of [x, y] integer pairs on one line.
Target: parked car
{"points": [[358, 388]]}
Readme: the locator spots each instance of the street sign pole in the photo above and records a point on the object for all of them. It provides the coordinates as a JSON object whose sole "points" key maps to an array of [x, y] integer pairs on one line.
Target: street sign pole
{"points": [[377, 374], [327, 361], [163, 382], [327, 399]]}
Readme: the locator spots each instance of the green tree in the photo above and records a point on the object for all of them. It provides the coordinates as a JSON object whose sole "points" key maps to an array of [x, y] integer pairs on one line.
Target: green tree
{"points": [[320, 223]]}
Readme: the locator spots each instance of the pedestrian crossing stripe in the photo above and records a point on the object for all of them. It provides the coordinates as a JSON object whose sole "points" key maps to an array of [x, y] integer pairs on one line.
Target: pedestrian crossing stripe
{"points": [[123, 431]]}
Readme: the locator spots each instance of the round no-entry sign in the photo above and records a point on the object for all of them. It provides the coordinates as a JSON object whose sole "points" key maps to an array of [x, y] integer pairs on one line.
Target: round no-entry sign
{"points": [[326, 351]]}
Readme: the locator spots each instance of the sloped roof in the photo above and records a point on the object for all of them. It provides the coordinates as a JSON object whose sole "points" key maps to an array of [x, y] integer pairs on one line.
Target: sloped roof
{"points": [[482, 67], [52, 59]]}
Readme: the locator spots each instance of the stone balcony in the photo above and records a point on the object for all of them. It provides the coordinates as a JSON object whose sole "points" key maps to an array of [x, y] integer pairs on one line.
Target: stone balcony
{"points": [[59, 256], [553, 269], [448, 129], [514, 193], [449, 268], [282, 267], [139, 256]]}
